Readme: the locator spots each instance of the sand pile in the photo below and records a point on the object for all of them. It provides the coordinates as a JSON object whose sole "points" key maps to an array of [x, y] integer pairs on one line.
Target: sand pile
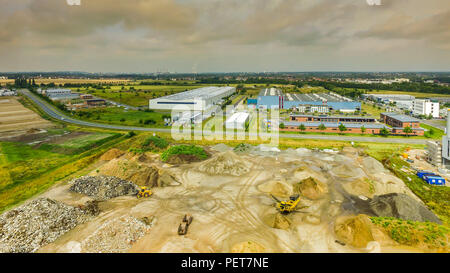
{"points": [[348, 171], [311, 188], [40, 222], [401, 206], [139, 173], [372, 165], [355, 231], [248, 247], [103, 187], [116, 236], [227, 163], [111, 154], [276, 220], [364, 187], [276, 188]]}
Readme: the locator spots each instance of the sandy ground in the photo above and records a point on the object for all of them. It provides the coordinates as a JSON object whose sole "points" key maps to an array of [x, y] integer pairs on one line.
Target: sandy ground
{"points": [[16, 119], [229, 210]]}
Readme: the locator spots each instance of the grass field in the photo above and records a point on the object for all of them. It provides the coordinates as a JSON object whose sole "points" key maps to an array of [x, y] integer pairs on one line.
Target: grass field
{"points": [[415, 94], [26, 170], [371, 110], [115, 115]]}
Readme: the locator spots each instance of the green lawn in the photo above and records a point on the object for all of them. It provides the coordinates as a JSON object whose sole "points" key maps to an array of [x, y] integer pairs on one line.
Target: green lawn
{"points": [[371, 110], [86, 140]]}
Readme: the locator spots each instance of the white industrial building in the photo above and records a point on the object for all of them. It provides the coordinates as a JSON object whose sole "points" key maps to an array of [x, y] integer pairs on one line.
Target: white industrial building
{"points": [[425, 107], [201, 99], [60, 94], [446, 144], [238, 121]]}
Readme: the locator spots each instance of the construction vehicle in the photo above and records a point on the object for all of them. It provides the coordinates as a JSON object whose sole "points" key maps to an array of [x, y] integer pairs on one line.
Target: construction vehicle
{"points": [[144, 192], [183, 227], [289, 206]]}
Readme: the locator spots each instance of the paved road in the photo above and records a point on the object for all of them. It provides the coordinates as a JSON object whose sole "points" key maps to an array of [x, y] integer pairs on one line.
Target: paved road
{"points": [[55, 113]]}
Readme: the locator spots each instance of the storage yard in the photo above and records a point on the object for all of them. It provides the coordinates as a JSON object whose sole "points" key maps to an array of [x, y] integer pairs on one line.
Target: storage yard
{"points": [[229, 198]]}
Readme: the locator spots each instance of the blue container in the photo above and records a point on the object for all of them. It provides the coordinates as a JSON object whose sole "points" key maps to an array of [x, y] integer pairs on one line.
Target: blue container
{"points": [[422, 174], [434, 180]]}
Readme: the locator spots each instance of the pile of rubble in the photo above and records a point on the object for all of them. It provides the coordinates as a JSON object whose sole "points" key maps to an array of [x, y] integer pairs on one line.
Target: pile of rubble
{"points": [[117, 235], [33, 225], [103, 187]]}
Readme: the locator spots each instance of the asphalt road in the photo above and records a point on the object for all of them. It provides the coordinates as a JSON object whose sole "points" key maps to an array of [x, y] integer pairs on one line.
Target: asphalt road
{"points": [[55, 113]]}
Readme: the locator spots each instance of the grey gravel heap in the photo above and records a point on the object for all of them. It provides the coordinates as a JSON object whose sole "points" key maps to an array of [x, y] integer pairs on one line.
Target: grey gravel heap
{"points": [[33, 225], [103, 187]]}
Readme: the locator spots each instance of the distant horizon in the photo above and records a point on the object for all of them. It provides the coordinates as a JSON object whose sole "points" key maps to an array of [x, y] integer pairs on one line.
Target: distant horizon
{"points": [[222, 36]]}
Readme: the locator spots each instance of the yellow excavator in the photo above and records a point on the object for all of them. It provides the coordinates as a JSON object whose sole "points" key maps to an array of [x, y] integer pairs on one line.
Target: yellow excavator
{"points": [[144, 192], [289, 206]]}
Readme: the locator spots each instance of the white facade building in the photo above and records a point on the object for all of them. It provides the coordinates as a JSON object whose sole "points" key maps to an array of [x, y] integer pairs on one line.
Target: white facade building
{"points": [[425, 107], [237, 121], [202, 99], [446, 143]]}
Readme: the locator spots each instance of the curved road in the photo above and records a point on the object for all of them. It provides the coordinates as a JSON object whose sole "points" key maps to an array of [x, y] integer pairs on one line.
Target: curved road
{"points": [[55, 113]]}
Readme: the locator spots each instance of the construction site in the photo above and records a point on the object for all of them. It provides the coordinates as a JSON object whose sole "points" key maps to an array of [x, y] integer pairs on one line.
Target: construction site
{"points": [[247, 199]]}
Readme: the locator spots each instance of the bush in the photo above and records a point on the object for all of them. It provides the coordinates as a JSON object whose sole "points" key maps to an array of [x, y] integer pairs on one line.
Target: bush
{"points": [[184, 150], [157, 142], [130, 134]]}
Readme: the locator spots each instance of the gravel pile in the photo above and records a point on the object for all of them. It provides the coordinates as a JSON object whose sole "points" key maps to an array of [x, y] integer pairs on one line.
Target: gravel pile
{"points": [[103, 187], [116, 236], [40, 222]]}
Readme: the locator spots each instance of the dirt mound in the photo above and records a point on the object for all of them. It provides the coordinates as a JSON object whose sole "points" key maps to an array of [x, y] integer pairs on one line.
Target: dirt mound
{"points": [[372, 165], [116, 236], [248, 247], [141, 174], [243, 148], [221, 148], [311, 188], [182, 159], [364, 187], [276, 188], [227, 163], [401, 206], [111, 154], [277, 220], [347, 171], [355, 231], [40, 222], [103, 187]]}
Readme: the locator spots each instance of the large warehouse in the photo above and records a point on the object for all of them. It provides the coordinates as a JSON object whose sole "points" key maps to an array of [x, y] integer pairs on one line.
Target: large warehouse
{"points": [[202, 98], [206, 100], [313, 102]]}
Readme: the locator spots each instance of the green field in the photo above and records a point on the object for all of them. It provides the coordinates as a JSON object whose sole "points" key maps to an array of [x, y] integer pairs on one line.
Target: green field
{"points": [[120, 116], [26, 170], [371, 110], [415, 94]]}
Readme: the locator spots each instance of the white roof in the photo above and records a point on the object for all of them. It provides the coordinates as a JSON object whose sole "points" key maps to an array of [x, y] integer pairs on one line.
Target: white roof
{"points": [[239, 117]]}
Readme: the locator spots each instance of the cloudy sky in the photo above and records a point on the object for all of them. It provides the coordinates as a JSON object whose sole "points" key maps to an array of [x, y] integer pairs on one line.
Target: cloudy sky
{"points": [[224, 35]]}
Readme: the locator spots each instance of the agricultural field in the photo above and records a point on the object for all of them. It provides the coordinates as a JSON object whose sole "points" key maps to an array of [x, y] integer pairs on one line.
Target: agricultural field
{"points": [[135, 95], [120, 116], [415, 94]]}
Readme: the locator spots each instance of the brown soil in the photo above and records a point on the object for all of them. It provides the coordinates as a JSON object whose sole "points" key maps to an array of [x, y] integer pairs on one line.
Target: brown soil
{"points": [[111, 154], [311, 188], [182, 159], [355, 231]]}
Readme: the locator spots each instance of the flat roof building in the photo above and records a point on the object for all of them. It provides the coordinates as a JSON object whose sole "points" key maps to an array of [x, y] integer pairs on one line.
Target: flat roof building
{"points": [[399, 120], [311, 102], [237, 121], [201, 99]]}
